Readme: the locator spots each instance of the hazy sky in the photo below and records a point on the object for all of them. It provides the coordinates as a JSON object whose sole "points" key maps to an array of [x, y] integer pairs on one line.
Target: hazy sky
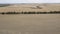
{"points": [[29, 1]]}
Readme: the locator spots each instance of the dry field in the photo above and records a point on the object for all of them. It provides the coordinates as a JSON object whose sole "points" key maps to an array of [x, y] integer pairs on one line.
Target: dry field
{"points": [[31, 7], [30, 24]]}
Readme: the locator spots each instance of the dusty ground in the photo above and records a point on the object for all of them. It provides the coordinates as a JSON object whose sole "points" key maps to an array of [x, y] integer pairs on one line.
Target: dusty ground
{"points": [[30, 24]]}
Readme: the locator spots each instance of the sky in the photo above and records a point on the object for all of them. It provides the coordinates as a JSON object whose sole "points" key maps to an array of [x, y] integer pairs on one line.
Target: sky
{"points": [[29, 1]]}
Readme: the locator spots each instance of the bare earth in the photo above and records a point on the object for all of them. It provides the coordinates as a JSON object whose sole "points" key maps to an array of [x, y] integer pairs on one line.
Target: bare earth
{"points": [[30, 24]]}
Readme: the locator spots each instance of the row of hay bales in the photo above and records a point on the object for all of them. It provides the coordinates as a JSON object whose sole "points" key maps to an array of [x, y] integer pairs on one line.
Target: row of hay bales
{"points": [[51, 12]]}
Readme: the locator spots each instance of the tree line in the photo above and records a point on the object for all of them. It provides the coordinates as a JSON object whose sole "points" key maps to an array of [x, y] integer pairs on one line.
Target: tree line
{"points": [[31, 12]]}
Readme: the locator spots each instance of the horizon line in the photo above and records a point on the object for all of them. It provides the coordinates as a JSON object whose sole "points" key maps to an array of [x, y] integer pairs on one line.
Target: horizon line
{"points": [[29, 3]]}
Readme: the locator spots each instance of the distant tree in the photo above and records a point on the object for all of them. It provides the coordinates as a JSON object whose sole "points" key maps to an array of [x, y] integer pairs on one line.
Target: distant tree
{"points": [[3, 13]]}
